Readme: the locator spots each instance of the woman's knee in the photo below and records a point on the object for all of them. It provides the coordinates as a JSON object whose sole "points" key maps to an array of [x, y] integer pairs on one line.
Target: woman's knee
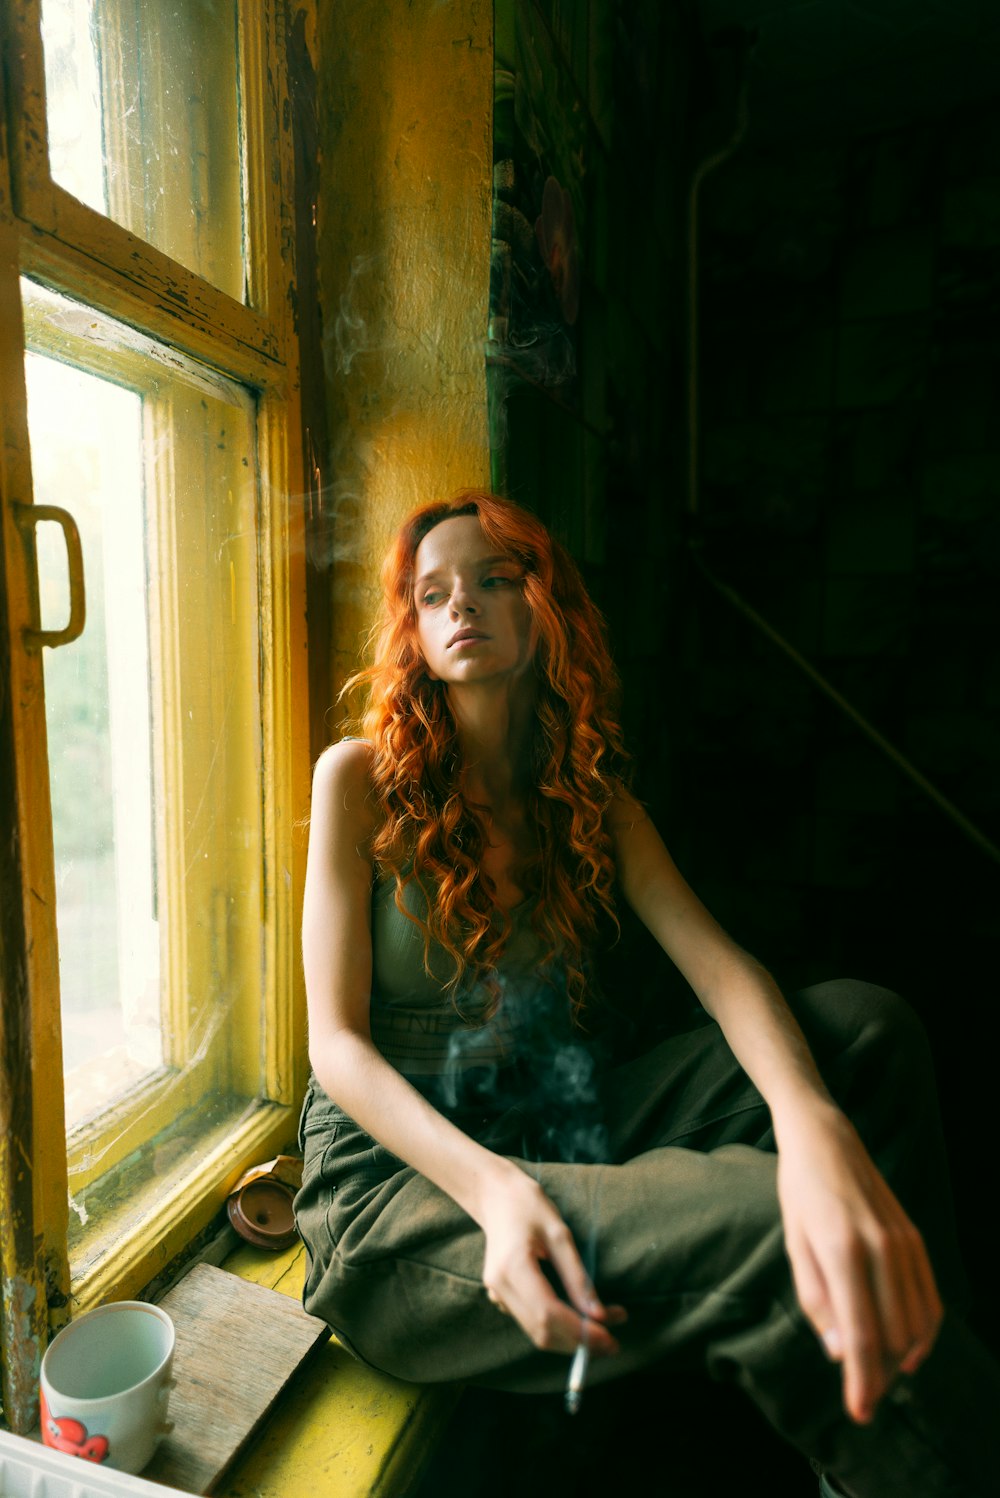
{"points": [[849, 1013]]}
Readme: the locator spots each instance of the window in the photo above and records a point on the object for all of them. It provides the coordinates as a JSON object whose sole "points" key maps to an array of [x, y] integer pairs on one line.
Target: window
{"points": [[155, 731], [142, 109]]}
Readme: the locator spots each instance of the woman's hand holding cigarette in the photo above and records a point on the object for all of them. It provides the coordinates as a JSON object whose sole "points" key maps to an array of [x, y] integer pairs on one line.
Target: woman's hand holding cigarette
{"points": [[523, 1229]]}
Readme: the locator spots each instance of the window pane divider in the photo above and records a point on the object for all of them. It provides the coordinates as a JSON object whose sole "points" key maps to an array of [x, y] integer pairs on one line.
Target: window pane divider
{"points": [[118, 355], [172, 305]]}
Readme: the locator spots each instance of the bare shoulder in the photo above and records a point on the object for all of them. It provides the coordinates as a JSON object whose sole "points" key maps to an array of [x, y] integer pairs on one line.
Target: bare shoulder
{"points": [[345, 766], [342, 787], [625, 813]]}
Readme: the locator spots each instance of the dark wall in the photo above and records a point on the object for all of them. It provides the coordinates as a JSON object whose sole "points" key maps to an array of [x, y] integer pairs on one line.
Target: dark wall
{"points": [[586, 366], [850, 467], [850, 449], [850, 463]]}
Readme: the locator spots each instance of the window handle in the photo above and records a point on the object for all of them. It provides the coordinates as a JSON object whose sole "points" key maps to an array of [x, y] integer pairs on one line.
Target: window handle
{"points": [[27, 517]]}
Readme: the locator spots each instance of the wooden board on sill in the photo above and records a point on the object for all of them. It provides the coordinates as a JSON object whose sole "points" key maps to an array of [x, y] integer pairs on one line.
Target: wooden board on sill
{"points": [[238, 1344]]}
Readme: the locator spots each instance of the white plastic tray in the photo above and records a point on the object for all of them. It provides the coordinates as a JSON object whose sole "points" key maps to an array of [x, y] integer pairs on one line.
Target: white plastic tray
{"points": [[30, 1470]]}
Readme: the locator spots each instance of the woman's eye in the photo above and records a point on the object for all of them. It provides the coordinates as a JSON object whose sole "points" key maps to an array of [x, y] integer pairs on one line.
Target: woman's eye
{"points": [[431, 598], [496, 580]]}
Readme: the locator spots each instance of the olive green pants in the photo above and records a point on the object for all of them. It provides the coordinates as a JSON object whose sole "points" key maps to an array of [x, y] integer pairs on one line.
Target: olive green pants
{"points": [[680, 1223]]}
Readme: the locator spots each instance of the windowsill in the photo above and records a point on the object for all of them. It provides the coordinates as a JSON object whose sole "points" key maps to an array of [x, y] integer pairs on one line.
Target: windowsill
{"points": [[133, 1238], [339, 1429]]}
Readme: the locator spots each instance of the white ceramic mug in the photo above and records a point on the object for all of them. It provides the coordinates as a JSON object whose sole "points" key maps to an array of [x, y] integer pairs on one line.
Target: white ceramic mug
{"points": [[106, 1383]]}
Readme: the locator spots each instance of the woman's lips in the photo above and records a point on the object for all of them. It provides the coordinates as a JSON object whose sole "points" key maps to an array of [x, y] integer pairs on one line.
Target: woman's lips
{"points": [[467, 637]]}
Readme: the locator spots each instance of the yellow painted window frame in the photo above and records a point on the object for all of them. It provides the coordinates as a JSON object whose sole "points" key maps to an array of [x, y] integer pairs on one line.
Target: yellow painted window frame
{"points": [[49, 236], [164, 286]]}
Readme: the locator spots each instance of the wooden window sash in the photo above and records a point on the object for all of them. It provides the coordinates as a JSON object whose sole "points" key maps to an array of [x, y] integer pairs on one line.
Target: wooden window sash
{"points": [[171, 295], [85, 255]]}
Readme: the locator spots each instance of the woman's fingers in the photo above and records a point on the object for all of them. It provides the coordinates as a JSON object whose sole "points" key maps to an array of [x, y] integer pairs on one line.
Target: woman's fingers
{"points": [[925, 1342], [552, 1324], [897, 1293], [566, 1261], [883, 1309], [810, 1288], [844, 1320], [933, 1313], [903, 1288], [856, 1321], [516, 1283], [860, 1267], [562, 1251], [523, 1228], [923, 1303]]}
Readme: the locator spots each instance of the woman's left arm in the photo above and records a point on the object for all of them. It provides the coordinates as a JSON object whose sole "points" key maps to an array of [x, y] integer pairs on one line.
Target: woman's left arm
{"points": [[861, 1272]]}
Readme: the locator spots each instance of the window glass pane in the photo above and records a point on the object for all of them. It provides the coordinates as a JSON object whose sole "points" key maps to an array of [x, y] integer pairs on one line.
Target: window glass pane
{"points": [[73, 101], [87, 451], [142, 104], [154, 738]]}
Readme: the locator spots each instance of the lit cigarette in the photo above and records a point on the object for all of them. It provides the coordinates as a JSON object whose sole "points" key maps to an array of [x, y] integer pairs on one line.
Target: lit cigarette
{"points": [[577, 1378]]}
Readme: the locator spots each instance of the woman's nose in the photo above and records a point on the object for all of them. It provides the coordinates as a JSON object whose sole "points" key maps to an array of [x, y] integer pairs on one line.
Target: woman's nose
{"points": [[463, 603]]}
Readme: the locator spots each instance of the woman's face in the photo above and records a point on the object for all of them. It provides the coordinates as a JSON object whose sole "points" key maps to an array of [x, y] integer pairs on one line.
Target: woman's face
{"points": [[473, 624]]}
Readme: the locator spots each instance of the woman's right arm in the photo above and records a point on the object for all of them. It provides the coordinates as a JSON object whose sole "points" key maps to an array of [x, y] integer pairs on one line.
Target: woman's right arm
{"points": [[521, 1225]]}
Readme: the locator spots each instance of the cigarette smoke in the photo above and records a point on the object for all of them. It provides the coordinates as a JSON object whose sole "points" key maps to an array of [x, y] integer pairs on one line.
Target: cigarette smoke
{"points": [[351, 334], [528, 1058]]}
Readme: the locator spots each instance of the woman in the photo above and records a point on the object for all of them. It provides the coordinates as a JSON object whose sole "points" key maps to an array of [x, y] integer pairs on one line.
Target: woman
{"points": [[480, 1193]]}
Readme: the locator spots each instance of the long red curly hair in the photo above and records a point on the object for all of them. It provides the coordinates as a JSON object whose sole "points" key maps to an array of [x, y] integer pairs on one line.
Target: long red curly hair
{"points": [[427, 832]]}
